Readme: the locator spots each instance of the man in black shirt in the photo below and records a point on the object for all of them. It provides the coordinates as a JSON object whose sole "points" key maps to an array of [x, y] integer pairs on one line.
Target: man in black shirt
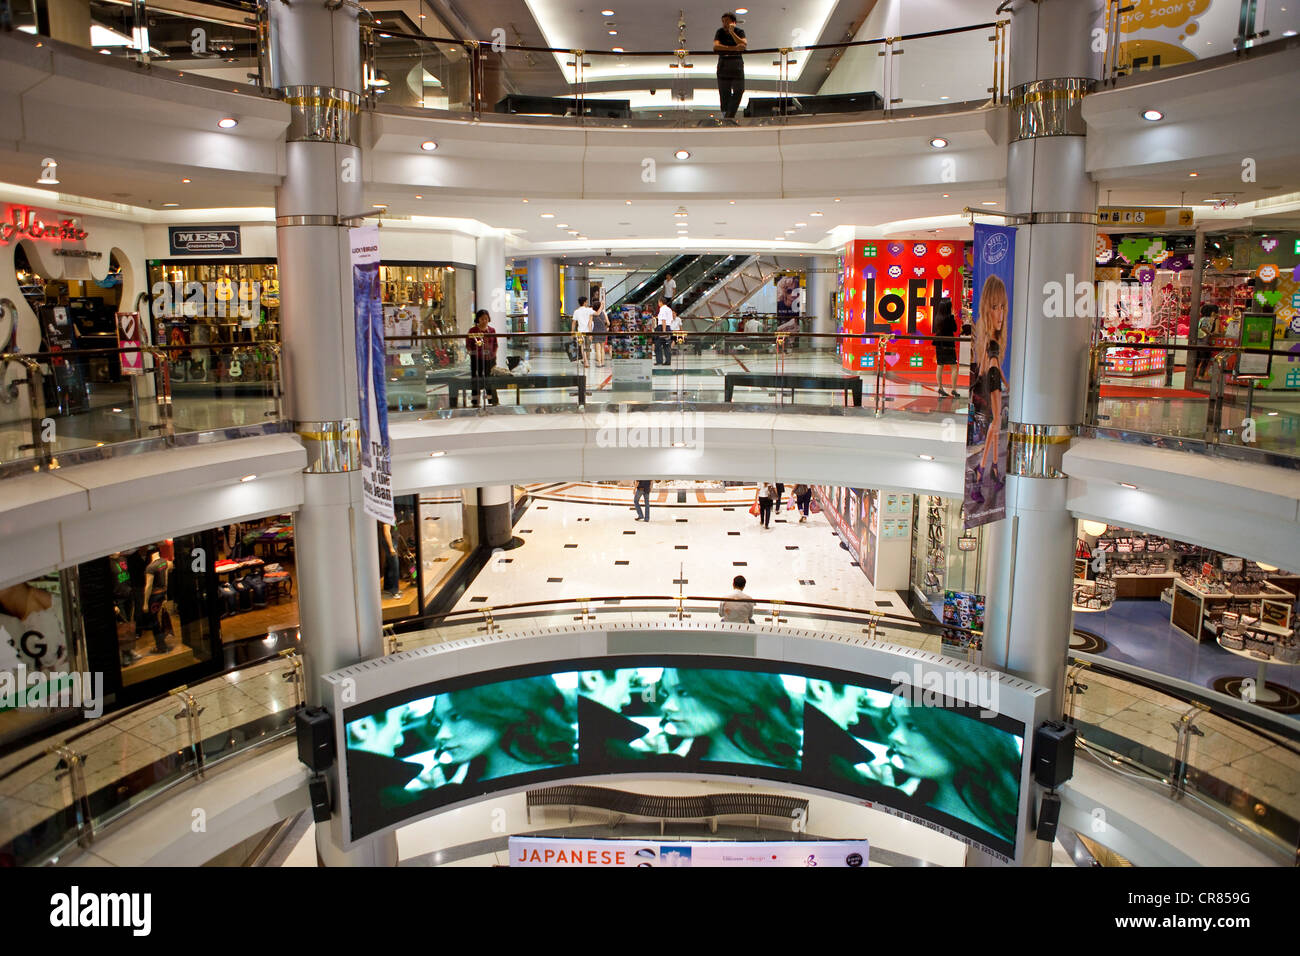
{"points": [[729, 43]]}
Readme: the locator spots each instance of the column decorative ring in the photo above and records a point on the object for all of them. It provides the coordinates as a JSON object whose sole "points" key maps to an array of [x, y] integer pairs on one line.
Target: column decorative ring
{"points": [[332, 447], [1049, 108], [1037, 451], [323, 114]]}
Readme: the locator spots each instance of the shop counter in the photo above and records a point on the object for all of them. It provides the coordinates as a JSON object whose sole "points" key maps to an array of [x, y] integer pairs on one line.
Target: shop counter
{"points": [[1143, 585], [1191, 605]]}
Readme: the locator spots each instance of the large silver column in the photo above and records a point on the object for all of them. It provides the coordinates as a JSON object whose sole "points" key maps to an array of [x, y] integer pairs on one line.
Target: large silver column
{"points": [[318, 60], [576, 286], [1052, 67], [490, 281], [822, 281], [544, 300]]}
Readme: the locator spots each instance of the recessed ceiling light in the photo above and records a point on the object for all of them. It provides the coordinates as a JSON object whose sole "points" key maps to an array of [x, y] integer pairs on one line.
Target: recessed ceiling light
{"points": [[573, 232], [187, 180], [422, 16], [618, 49], [682, 154], [524, 200], [548, 215], [1125, 484], [837, 200], [248, 478], [167, 204], [938, 142], [606, 13], [627, 202], [613, 33], [381, 205], [418, 196], [800, 225], [815, 214], [742, 10], [779, 238], [926, 457], [1193, 174], [789, 232], [988, 202], [1152, 116], [428, 146], [945, 195], [561, 225], [228, 122], [731, 202]]}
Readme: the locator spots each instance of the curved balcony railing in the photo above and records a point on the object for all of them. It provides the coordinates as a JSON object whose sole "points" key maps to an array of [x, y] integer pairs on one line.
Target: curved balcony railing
{"points": [[1235, 762], [56, 794], [78, 405], [1229, 401]]}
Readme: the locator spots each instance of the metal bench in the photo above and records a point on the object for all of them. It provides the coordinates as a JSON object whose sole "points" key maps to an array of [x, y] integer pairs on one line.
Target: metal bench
{"points": [[465, 383], [845, 383], [709, 807]]}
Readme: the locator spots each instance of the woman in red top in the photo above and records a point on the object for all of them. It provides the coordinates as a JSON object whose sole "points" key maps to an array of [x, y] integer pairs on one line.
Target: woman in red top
{"points": [[481, 343]]}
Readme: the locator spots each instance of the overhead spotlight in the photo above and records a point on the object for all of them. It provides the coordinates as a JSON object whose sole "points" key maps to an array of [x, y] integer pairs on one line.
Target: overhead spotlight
{"points": [[1152, 116], [681, 211], [618, 49], [187, 180], [815, 214], [561, 225], [436, 454], [428, 146], [800, 225], [682, 154], [945, 195], [926, 457], [741, 11], [606, 13], [1193, 174], [168, 205], [988, 202], [380, 205], [523, 200], [548, 215], [938, 142], [418, 196], [627, 202], [1125, 484], [837, 200], [248, 478], [228, 122], [613, 33]]}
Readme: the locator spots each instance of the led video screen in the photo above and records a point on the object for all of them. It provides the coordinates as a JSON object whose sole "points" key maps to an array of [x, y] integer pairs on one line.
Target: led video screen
{"points": [[441, 744]]}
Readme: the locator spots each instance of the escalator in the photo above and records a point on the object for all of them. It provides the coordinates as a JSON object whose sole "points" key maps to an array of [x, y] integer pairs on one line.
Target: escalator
{"points": [[708, 281], [642, 292]]}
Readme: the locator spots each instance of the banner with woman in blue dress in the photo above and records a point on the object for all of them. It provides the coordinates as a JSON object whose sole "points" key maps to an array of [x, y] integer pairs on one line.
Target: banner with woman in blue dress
{"points": [[990, 365]]}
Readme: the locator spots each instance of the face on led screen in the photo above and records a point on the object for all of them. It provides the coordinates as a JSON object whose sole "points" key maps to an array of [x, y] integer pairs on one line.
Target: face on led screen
{"points": [[944, 765]]}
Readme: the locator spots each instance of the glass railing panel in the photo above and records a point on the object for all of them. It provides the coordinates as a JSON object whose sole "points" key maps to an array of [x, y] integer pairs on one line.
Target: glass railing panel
{"points": [[1155, 35], [524, 81], [428, 74], [937, 70], [1278, 20], [851, 77], [222, 386], [216, 40]]}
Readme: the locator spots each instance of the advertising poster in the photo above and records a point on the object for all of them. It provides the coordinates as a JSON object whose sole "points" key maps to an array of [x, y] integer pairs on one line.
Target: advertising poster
{"points": [[891, 288], [990, 362], [130, 334], [962, 609], [376, 471], [548, 851]]}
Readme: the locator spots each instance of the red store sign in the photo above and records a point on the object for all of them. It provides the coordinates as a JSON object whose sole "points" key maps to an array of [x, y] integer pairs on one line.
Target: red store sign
{"points": [[27, 222]]}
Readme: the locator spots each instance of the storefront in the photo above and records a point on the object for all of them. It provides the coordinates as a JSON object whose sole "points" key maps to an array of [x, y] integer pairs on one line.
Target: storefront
{"points": [[422, 299], [891, 288]]}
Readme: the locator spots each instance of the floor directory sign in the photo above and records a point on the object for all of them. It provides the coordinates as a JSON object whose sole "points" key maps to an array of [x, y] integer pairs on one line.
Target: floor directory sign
{"points": [[376, 470]]}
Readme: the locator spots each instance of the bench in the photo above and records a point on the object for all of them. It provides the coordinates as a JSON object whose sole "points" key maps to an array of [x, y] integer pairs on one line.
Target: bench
{"points": [[708, 807], [464, 383], [844, 383]]}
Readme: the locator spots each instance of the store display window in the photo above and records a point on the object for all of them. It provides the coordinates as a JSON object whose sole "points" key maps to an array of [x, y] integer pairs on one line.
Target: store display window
{"points": [[399, 561], [443, 543], [228, 310], [945, 557], [423, 299]]}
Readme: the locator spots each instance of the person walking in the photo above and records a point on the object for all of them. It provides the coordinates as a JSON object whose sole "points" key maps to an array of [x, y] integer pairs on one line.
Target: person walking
{"points": [[481, 344], [766, 492], [945, 345], [1206, 327], [780, 493], [583, 317], [642, 494], [670, 287], [738, 607], [729, 43], [803, 500], [663, 337], [599, 334]]}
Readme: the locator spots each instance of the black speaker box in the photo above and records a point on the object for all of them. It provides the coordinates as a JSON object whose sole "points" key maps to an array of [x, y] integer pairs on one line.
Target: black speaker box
{"points": [[315, 737], [1049, 813], [1053, 753], [320, 798]]}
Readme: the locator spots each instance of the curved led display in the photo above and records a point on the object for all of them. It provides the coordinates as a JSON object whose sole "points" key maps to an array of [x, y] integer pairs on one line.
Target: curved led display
{"points": [[933, 758]]}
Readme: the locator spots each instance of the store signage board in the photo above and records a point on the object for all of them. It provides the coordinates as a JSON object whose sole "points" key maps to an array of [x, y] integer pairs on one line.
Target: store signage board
{"points": [[1143, 216], [1257, 329], [546, 852], [31, 222], [204, 240]]}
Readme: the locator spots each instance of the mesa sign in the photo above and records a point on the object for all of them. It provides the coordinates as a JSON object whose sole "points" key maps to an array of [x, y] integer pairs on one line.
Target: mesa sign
{"points": [[204, 240]]}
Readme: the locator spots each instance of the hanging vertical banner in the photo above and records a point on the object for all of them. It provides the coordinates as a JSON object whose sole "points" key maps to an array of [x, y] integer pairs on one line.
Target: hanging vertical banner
{"points": [[376, 470], [130, 334], [990, 363]]}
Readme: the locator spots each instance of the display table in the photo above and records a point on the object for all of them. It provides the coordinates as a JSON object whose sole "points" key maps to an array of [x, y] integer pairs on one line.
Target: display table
{"points": [[1143, 585], [1262, 694], [1131, 362], [1191, 605]]}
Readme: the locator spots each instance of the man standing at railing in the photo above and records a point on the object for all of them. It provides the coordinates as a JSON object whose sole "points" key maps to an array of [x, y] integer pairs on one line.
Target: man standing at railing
{"points": [[729, 43]]}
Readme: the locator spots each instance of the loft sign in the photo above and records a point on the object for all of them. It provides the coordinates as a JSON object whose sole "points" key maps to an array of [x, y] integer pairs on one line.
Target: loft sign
{"points": [[24, 222], [203, 240]]}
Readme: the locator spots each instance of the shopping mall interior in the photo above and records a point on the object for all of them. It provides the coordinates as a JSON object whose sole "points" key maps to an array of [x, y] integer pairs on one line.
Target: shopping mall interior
{"points": [[855, 432]]}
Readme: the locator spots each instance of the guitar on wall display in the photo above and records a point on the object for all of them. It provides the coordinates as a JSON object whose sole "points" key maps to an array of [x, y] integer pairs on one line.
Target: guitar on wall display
{"points": [[225, 290]]}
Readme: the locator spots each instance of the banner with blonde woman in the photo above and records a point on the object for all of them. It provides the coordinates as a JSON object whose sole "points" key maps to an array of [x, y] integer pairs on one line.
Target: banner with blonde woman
{"points": [[990, 365]]}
